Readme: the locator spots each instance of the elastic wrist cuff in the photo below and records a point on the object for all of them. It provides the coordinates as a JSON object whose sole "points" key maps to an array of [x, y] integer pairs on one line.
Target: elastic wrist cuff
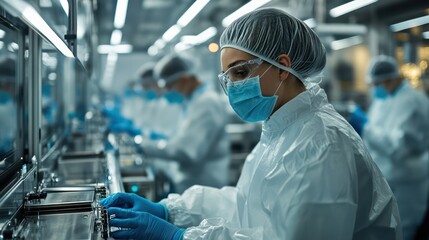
{"points": [[165, 211]]}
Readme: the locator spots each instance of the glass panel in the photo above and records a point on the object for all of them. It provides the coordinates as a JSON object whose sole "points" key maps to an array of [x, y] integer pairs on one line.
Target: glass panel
{"points": [[52, 102], [84, 33], [8, 94]]}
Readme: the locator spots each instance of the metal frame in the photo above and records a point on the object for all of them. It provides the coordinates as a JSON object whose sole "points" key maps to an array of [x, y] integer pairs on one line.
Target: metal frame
{"points": [[34, 96]]}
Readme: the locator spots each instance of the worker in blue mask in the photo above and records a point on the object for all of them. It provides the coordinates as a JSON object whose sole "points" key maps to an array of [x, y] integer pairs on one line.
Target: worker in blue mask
{"points": [[159, 118], [397, 138], [309, 177], [201, 152]]}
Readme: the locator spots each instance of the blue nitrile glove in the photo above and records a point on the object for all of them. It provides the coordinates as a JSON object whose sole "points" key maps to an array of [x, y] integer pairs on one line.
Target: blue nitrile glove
{"points": [[358, 119], [134, 202], [142, 225], [380, 92]]}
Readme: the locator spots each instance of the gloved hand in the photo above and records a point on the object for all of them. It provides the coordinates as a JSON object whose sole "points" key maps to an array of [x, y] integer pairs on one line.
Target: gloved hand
{"points": [[142, 225], [358, 119], [134, 202]]}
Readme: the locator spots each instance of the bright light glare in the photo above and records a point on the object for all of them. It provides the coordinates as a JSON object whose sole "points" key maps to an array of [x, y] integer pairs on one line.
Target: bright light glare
{"points": [[121, 48], [171, 33], [250, 6], [120, 13], [33, 18], [2, 33], [192, 12], [346, 42], [213, 47], [311, 22], [349, 7], [116, 37], [426, 35], [65, 5], [409, 23]]}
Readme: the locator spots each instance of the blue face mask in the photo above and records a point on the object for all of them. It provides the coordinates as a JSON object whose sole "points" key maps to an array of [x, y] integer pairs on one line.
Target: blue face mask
{"points": [[380, 92], [174, 97], [150, 95], [248, 102]]}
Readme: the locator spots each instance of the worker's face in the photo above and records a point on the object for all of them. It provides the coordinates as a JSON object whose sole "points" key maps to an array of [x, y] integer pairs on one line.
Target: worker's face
{"points": [[268, 74], [390, 85], [181, 85]]}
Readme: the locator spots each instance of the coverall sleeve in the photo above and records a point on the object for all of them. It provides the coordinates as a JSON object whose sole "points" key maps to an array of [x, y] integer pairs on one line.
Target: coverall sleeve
{"points": [[408, 137], [208, 213], [198, 131]]}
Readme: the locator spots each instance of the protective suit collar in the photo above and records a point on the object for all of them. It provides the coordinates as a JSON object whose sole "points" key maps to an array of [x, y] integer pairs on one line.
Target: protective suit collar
{"points": [[294, 109]]}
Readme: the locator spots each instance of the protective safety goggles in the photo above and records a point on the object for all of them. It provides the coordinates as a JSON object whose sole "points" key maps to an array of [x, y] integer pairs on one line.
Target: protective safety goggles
{"points": [[239, 72]]}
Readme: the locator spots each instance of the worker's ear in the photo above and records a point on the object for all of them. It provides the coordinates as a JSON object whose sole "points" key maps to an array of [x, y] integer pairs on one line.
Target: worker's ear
{"points": [[285, 61]]}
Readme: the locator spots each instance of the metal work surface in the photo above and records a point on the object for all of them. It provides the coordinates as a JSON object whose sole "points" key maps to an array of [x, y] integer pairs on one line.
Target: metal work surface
{"points": [[58, 226], [63, 200]]}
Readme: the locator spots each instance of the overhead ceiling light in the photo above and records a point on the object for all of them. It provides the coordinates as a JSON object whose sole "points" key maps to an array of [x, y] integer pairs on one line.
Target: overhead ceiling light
{"points": [[116, 37], [152, 50], [410, 23], [193, 11], [29, 15], [250, 6], [200, 38], [311, 22], [120, 13], [2, 33], [65, 5], [349, 7], [425, 35], [181, 46], [346, 42], [159, 43], [121, 48], [171, 33]]}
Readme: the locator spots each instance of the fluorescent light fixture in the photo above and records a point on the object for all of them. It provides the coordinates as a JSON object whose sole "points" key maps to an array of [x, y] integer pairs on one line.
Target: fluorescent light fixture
{"points": [[410, 23], [33, 18], [1, 44], [30, 16], [120, 13], [346, 42], [2, 33], [425, 35], [65, 5], [171, 33], [159, 43], [200, 38], [116, 37], [109, 70], [311, 22], [341, 29], [121, 48], [349, 7], [152, 50], [250, 6], [193, 11], [181, 46]]}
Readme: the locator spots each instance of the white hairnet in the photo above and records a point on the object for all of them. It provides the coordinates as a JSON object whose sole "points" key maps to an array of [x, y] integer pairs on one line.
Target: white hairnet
{"points": [[268, 33], [171, 68], [145, 73], [382, 68]]}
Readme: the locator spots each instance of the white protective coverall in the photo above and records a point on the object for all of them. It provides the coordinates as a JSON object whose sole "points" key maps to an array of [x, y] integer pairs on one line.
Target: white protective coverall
{"points": [[400, 147], [309, 177], [200, 145]]}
